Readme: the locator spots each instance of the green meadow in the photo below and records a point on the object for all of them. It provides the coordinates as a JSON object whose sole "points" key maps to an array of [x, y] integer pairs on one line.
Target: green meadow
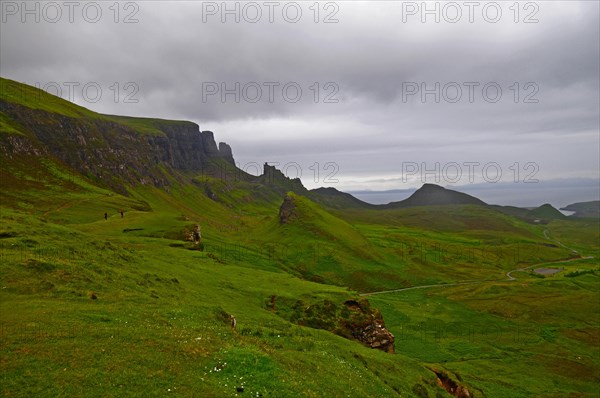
{"points": [[127, 307]]}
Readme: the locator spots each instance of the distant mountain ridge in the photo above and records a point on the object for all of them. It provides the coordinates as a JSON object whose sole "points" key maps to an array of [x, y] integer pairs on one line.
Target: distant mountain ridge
{"points": [[585, 209], [119, 150], [427, 195], [435, 195], [333, 198]]}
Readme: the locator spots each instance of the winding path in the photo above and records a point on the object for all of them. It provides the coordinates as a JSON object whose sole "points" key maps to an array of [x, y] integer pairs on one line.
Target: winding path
{"points": [[508, 274], [512, 278]]}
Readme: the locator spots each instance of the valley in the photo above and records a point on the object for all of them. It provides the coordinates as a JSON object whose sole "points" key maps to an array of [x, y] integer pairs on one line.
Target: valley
{"points": [[128, 306]]}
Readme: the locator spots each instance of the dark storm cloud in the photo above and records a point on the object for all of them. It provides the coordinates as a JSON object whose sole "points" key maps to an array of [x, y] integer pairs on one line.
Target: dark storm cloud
{"points": [[365, 62]]}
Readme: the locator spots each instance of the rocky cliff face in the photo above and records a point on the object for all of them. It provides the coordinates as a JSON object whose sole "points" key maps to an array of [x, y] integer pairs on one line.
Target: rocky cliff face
{"points": [[226, 152], [111, 151]]}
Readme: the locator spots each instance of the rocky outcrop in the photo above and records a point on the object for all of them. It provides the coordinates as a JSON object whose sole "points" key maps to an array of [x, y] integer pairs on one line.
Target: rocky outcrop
{"points": [[453, 387], [375, 335], [210, 146], [366, 325], [226, 153], [287, 211], [16, 144], [354, 319], [280, 183]]}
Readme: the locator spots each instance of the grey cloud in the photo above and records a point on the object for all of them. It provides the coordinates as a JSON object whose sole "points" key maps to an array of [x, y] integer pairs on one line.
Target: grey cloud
{"points": [[369, 54]]}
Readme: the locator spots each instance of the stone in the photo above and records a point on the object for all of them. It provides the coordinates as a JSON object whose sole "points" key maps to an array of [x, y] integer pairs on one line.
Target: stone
{"points": [[287, 211]]}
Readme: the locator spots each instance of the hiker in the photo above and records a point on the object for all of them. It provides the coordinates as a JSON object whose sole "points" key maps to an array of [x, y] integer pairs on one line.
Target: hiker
{"points": [[106, 216], [121, 211], [233, 321], [197, 234]]}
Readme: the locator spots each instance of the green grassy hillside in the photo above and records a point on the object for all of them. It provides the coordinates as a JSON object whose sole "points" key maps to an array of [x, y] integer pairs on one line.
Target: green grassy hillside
{"points": [[128, 301], [128, 306], [33, 98], [89, 304]]}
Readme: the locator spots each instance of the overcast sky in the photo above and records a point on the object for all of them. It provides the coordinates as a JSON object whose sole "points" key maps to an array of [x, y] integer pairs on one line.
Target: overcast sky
{"points": [[517, 87]]}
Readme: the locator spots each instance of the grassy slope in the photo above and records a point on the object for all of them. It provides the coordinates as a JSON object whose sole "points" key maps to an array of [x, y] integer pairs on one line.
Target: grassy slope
{"points": [[518, 339], [31, 97], [17, 93], [155, 324], [145, 324]]}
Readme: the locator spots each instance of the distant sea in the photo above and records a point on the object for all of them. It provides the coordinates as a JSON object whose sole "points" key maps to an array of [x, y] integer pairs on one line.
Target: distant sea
{"points": [[559, 193]]}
